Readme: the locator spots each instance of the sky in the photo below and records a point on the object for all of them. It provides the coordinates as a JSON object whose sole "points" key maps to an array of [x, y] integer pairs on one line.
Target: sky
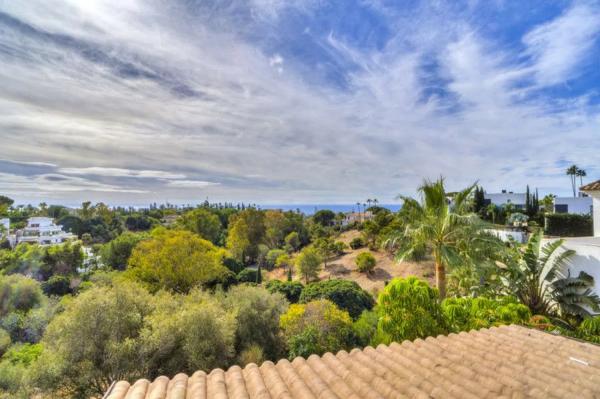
{"points": [[294, 101]]}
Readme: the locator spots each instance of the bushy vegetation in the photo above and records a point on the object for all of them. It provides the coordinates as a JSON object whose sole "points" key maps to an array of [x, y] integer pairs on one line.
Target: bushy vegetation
{"points": [[291, 290], [365, 262], [568, 225], [347, 295]]}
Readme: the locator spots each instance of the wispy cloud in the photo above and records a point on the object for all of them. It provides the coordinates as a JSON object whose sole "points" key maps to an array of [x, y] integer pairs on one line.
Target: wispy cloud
{"points": [[301, 101]]}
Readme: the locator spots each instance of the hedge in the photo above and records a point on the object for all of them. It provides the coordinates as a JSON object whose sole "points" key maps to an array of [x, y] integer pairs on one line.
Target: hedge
{"points": [[347, 295], [568, 225]]}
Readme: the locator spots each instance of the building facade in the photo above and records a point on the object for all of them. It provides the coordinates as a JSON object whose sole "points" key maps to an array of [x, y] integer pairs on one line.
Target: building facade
{"points": [[578, 205], [506, 197], [43, 231]]}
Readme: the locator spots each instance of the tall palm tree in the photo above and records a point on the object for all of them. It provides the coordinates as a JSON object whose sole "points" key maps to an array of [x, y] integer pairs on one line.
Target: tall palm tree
{"points": [[433, 223], [572, 173], [536, 277], [581, 173], [491, 211]]}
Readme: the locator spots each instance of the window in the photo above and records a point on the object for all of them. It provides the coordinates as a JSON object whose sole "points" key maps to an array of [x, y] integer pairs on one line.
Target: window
{"points": [[561, 208]]}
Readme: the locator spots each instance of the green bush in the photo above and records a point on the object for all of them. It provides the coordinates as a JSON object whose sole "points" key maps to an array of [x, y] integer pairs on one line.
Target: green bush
{"points": [[408, 309], [357, 242], [4, 341], [464, 314], [365, 262], [272, 256], [247, 276], [233, 265], [568, 225], [290, 289], [57, 285], [365, 328], [589, 329], [347, 295]]}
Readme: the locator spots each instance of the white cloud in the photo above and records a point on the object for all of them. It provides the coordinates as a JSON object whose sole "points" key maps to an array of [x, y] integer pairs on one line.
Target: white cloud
{"points": [[120, 172], [191, 183], [558, 46]]}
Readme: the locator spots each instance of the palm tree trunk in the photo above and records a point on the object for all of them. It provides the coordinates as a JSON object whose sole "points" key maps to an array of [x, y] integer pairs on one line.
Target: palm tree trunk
{"points": [[440, 275]]}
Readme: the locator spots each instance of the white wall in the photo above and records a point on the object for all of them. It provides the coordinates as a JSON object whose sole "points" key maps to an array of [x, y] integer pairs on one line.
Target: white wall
{"points": [[504, 235], [578, 205], [596, 215]]}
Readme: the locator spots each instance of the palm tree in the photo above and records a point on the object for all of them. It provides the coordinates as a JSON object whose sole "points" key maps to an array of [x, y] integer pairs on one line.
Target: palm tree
{"points": [[433, 223], [536, 278], [572, 172], [369, 202], [581, 174], [491, 211]]}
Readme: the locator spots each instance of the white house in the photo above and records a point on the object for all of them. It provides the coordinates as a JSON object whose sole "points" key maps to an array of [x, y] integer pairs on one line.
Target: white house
{"points": [[581, 205], [356, 217], [506, 197], [42, 230]]}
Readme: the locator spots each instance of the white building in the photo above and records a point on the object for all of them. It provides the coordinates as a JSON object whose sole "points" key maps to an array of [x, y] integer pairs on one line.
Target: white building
{"points": [[580, 205], [506, 197], [43, 231], [356, 217]]}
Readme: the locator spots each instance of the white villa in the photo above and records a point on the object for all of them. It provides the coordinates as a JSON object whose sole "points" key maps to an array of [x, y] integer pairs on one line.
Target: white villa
{"points": [[581, 205], [43, 231], [504, 198], [356, 217]]}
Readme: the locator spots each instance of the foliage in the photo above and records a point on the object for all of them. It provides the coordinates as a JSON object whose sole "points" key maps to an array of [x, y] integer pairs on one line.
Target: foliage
{"points": [[233, 265], [248, 275], [589, 329], [408, 309], [365, 262], [347, 295], [62, 259], [5, 341], [273, 255], [535, 276], [57, 285], [257, 313], [357, 242], [175, 260], [324, 217], [308, 264], [116, 253], [568, 225], [518, 218], [283, 261], [365, 328], [464, 314], [204, 223], [316, 327], [292, 241], [439, 226], [290, 289], [18, 294], [246, 232]]}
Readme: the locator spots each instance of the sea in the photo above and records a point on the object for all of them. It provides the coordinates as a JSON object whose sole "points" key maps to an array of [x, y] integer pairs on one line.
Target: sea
{"points": [[310, 209]]}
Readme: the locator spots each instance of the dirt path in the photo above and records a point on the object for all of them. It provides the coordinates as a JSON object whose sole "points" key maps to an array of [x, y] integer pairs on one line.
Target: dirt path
{"points": [[344, 267]]}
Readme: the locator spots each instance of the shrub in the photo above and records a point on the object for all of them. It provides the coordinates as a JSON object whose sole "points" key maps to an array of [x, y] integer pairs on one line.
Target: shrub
{"points": [[57, 285], [18, 293], [292, 241], [408, 309], [568, 225], [589, 329], [357, 243], [176, 261], [273, 255], [316, 327], [365, 328], [283, 261], [233, 265], [116, 253], [247, 275], [257, 313], [290, 289], [4, 341], [464, 314], [339, 248], [347, 295], [365, 262]]}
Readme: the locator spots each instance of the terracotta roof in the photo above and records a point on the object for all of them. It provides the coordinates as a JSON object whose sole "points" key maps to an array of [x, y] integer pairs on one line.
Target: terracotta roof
{"points": [[595, 186], [509, 362]]}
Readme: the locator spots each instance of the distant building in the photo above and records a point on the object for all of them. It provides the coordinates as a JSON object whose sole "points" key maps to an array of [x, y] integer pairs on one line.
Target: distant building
{"points": [[43, 231], [504, 198], [356, 217], [580, 205]]}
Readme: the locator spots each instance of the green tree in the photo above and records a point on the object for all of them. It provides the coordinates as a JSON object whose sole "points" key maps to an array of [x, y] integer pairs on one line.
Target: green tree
{"points": [[491, 211], [57, 285], [175, 260], [347, 295], [408, 309], [437, 225], [365, 262], [536, 277], [257, 313], [308, 264], [572, 173], [116, 253], [465, 314], [62, 259], [273, 255], [290, 289], [18, 294], [324, 217], [204, 223], [292, 240], [315, 328], [94, 341]]}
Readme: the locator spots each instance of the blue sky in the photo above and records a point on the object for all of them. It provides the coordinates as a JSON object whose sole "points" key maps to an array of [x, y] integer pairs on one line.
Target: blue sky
{"points": [[293, 101]]}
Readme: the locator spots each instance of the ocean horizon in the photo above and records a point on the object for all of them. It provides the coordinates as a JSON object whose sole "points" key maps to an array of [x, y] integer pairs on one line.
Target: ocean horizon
{"points": [[310, 209]]}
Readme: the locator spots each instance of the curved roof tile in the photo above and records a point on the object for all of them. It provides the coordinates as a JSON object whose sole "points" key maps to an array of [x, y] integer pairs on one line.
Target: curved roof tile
{"points": [[507, 361]]}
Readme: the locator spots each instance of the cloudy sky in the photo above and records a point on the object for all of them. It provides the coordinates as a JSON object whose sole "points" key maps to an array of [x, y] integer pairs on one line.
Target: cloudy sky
{"points": [[293, 101]]}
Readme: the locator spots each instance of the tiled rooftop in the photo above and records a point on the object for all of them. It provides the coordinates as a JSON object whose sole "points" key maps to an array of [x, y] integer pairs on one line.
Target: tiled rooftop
{"points": [[508, 362], [595, 186]]}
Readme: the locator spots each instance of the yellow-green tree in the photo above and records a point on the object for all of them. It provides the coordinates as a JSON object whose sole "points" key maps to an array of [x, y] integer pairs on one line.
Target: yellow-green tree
{"points": [[176, 260], [308, 264], [246, 233]]}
